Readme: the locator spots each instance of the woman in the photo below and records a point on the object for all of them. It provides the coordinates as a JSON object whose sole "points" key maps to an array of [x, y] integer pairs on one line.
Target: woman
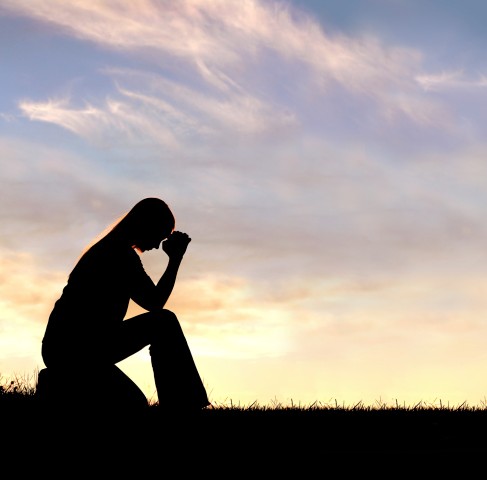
{"points": [[86, 334]]}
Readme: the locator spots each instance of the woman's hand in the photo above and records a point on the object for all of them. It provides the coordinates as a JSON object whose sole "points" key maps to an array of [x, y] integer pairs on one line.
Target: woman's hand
{"points": [[176, 244]]}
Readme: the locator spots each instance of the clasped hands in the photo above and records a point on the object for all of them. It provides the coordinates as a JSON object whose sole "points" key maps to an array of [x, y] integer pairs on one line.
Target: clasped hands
{"points": [[176, 244]]}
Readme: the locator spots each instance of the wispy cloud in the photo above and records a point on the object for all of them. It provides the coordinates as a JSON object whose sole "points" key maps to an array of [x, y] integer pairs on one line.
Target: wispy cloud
{"points": [[7, 117], [451, 80], [230, 47], [106, 124]]}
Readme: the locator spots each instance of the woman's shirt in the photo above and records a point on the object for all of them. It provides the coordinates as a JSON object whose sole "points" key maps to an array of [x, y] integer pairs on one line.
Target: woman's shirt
{"points": [[98, 291]]}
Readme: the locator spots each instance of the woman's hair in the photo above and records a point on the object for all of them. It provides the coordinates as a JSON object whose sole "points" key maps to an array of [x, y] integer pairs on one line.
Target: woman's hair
{"points": [[150, 210]]}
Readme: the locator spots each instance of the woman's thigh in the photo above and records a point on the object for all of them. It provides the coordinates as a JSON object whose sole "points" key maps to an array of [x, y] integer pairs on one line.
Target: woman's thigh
{"points": [[110, 346]]}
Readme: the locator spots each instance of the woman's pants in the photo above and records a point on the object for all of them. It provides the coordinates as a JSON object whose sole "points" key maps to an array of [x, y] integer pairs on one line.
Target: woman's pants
{"points": [[93, 357]]}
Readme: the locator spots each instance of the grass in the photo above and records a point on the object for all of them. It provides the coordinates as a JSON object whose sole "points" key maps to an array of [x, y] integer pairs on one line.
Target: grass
{"points": [[22, 389], [295, 431]]}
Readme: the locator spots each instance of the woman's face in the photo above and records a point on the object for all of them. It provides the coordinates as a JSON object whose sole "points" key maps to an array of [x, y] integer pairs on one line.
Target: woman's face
{"points": [[153, 237]]}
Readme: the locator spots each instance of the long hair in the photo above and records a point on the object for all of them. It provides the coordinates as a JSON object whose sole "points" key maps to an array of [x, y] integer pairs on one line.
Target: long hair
{"points": [[145, 212]]}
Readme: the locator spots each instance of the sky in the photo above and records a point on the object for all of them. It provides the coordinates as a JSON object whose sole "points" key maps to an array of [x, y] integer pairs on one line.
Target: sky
{"points": [[328, 160]]}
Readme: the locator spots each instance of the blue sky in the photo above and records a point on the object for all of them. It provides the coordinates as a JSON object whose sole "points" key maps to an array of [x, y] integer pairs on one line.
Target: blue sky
{"points": [[327, 159]]}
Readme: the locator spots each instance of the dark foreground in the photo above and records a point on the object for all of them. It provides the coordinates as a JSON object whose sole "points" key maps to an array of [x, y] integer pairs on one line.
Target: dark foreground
{"points": [[231, 443]]}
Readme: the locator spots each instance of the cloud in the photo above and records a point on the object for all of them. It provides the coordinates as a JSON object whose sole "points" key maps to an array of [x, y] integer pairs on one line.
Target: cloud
{"points": [[27, 292], [107, 124], [26, 289], [159, 112], [243, 68], [451, 80], [55, 200], [7, 117]]}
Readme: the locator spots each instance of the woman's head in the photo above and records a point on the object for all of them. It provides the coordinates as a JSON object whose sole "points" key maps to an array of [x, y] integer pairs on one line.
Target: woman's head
{"points": [[147, 224]]}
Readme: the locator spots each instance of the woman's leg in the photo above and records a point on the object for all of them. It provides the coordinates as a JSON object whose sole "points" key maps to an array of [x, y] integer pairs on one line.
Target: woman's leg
{"points": [[177, 380], [82, 372], [91, 361]]}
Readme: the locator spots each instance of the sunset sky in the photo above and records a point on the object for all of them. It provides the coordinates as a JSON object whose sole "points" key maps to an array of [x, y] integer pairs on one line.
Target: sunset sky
{"points": [[328, 160]]}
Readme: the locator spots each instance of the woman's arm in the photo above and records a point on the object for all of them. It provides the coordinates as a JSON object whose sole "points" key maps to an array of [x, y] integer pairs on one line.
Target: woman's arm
{"points": [[155, 297]]}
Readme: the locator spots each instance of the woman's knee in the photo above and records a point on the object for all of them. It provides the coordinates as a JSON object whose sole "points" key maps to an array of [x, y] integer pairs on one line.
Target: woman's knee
{"points": [[165, 320], [167, 333], [164, 315]]}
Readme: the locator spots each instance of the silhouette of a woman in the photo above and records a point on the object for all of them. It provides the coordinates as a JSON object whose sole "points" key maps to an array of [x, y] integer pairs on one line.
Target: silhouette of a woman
{"points": [[86, 334]]}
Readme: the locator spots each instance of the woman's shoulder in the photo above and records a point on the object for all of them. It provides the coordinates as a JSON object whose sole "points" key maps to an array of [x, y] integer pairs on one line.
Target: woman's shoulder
{"points": [[102, 262], [110, 252]]}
